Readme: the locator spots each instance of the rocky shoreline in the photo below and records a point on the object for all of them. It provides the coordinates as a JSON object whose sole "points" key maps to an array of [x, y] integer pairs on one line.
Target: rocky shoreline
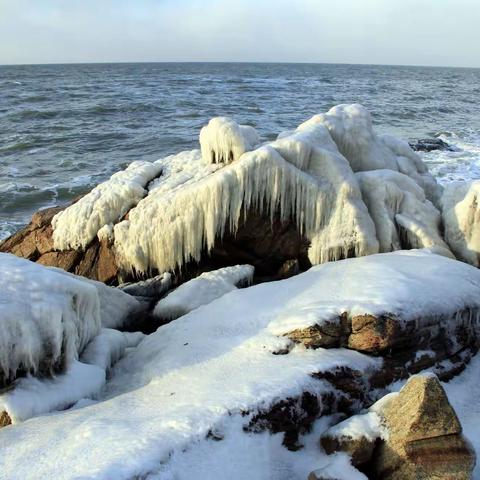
{"points": [[363, 272]]}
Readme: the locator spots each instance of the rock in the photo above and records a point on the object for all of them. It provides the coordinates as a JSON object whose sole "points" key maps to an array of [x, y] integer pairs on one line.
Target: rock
{"points": [[327, 335], [154, 287], [429, 144], [356, 436], [424, 436], [5, 419], [360, 449]]}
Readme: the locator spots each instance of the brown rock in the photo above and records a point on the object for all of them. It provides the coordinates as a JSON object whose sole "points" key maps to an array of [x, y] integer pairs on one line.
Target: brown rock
{"points": [[425, 440], [5, 419], [66, 260], [327, 335], [360, 449]]}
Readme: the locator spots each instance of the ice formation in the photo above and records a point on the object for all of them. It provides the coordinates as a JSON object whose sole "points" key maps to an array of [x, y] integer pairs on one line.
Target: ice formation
{"points": [[202, 371], [49, 316], [167, 229], [202, 290], [34, 396], [461, 217], [306, 176], [224, 141], [351, 128], [78, 225], [403, 217]]}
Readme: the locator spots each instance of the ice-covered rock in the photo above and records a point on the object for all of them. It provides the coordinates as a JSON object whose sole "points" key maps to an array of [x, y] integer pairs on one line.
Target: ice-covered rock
{"points": [[49, 316], [83, 379], [224, 141], [202, 290], [461, 217], [77, 226], [403, 217], [324, 202], [303, 182], [351, 128]]}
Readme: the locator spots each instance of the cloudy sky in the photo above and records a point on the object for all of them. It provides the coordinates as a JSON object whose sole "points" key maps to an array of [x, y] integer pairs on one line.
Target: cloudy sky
{"points": [[407, 32]]}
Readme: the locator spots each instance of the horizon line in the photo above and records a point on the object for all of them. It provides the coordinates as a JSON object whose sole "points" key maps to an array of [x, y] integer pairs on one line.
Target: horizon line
{"points": [[233, 62]]}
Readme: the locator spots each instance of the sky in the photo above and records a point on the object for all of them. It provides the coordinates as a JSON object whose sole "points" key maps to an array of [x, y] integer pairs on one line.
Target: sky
{"points": [[402, 32]]}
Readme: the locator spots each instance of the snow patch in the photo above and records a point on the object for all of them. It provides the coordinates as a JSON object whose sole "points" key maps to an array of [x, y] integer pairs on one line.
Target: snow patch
{"points": [[202, 290]]}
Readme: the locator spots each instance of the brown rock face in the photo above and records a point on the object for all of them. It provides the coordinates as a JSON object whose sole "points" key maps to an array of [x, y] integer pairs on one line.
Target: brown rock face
{"points": [[425, 437], [5, 419], [276, 250], [360, 449]]}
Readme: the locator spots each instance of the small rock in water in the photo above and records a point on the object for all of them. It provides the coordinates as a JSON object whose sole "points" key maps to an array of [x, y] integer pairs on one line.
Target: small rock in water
{"points": [[429, 144]]}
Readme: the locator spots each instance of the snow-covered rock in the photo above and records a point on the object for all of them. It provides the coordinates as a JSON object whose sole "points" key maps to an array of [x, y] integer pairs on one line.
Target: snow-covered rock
{"points": [[77, 226], [48, 316], [219, 367], [202, 290], [461, 217], [82, 379]]}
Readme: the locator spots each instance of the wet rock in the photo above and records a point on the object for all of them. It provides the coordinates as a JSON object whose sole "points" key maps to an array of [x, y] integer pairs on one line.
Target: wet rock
{"points": [[429, 144]]}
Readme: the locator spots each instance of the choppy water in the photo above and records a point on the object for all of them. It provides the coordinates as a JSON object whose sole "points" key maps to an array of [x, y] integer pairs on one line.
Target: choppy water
{"points": [[64, 128]]}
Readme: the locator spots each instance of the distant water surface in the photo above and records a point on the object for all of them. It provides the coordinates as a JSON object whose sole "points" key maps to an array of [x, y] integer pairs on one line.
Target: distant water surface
{"points": [[64, 128]]}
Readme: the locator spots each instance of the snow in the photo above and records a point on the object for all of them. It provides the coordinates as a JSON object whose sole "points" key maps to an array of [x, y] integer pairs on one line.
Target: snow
{"points": [[463, 392], [367, 425], [49, 316], [202, 290], [202, 371], [402, 215], [176, 223], [76, 226], [33, 396], [224, 141], [461, 216], [109, 346]]}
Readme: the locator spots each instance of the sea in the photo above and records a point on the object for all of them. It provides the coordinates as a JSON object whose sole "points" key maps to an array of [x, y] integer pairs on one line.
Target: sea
{"points": [[65, 128]]}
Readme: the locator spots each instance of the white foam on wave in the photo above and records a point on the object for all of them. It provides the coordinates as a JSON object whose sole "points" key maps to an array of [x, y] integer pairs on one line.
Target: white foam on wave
{"points": [[463, 164]]}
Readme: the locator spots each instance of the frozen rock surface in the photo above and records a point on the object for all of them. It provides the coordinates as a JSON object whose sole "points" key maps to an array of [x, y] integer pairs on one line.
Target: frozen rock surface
{"points": [[230, 364], [197, 209], [48, 316]]}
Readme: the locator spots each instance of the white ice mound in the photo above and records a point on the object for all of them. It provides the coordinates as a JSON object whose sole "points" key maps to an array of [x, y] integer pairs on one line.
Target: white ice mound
{"points": [[224, 141], [173, 226], [202, 371], [461, 217], [78, 225], [202, 290], [48, 316], [351, 128], [403, 217]]}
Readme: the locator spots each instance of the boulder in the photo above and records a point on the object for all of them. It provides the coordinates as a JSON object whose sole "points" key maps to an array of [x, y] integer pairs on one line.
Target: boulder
{"points": [[429, 144], [424, 436]]}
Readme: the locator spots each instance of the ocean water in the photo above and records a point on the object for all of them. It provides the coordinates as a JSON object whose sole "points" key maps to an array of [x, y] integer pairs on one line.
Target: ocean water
{"points": [[64, 128]]}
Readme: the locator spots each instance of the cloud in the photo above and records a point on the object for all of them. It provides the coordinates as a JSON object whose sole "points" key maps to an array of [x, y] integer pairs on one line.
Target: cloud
{"points": [[427, 32]]}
